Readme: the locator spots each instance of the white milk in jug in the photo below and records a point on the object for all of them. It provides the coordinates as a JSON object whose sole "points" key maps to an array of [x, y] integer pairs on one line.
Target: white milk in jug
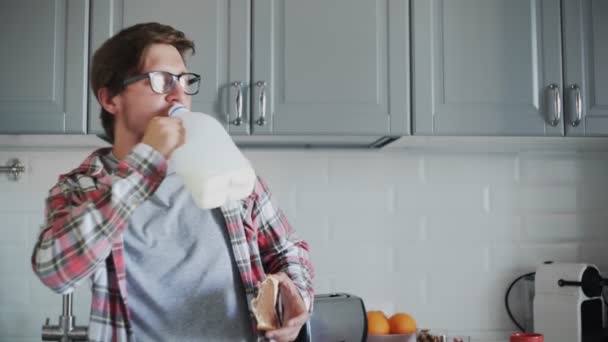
{"points": [[211, 166]]}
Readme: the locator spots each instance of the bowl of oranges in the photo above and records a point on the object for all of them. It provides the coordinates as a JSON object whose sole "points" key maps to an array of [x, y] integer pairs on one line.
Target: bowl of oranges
{"points": [[400, 327]]}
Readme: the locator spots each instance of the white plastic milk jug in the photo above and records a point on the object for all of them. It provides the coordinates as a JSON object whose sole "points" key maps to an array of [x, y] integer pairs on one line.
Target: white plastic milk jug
{"points": [[211, 166]]}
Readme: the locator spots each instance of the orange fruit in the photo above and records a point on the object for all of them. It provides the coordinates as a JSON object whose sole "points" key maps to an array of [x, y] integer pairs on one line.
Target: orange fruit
{"points": [[377, 323], [402, 323]]}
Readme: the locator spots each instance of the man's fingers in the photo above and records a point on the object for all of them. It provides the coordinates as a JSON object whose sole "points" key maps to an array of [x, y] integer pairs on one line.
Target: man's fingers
{"points": [[284, 334], [290, 330], [282, 276], [298, 320]]}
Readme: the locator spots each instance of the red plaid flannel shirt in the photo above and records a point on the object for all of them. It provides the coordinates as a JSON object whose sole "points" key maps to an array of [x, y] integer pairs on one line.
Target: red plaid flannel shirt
{"points": [[89, 208]]}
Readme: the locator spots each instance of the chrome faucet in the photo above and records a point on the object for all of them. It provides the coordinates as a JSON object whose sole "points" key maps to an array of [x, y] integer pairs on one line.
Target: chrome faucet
{"points": [[66, 330]]}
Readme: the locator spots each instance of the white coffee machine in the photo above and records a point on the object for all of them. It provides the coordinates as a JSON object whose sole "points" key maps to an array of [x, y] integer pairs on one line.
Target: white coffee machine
{"points": [[568, 303]]}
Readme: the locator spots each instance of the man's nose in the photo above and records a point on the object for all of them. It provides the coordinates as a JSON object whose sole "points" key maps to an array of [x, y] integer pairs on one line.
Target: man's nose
{"points": [[177, 94]]}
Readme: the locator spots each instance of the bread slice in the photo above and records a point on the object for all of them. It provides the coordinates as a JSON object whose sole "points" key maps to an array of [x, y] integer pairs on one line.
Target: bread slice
{"points": [[264, 304]]}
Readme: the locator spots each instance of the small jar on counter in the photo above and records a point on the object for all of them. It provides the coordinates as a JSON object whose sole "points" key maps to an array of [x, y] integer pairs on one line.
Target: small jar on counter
{"points": [[425, 335]]}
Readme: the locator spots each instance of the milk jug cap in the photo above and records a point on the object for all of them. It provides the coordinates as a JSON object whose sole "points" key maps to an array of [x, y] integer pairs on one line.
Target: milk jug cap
{"points": [[176, 107]]}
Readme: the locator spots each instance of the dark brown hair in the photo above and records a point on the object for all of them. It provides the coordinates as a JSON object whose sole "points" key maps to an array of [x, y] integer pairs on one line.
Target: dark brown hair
{"points": [[121, 56]]}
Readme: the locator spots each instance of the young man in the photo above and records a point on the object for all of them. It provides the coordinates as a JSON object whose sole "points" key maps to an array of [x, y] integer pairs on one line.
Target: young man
{"points": [[161, 268]]}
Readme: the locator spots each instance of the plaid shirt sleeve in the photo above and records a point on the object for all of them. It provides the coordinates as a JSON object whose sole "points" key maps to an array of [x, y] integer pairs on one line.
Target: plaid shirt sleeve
{"points": [[280, 248], [86, 212]]}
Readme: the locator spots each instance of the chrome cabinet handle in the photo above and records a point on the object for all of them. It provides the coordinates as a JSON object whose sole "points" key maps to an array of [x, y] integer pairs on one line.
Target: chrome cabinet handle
{"points": [[238, 103], [578, 105], [261, 85], [557, 105], [14, 169]]}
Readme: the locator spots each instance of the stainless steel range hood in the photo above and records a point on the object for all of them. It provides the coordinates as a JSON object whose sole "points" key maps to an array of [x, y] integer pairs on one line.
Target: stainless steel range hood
{"points": [[313, 141]]}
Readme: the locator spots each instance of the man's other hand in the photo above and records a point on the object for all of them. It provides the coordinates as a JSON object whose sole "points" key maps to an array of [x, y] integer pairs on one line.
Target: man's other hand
{"points": [[295, 313]]}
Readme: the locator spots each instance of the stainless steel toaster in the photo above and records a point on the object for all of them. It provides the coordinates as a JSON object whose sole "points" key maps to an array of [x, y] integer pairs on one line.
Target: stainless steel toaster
{"points": [[338, 317]]}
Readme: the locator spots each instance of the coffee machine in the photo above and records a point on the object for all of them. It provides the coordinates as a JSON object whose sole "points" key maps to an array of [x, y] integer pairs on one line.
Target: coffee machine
{"points": [[568, 304]]}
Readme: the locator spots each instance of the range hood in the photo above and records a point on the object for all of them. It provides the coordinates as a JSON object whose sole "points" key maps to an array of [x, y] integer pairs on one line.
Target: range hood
{"points": [[312, 141], [269, 141]]}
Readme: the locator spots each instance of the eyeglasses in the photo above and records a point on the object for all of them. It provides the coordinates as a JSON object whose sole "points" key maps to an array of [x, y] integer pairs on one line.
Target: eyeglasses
{"points": [[162, 82]]}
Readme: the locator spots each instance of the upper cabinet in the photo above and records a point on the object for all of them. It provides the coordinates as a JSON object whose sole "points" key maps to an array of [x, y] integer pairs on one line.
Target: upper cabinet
{"points": [[510, 67], [287, 67], [281, 71], [220, 30], [330, 67], [486, 67], [586, 67], [44, 65]]}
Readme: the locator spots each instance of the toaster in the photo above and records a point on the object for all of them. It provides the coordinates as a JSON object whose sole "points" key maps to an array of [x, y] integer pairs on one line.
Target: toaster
{"points": [[336, 317]]}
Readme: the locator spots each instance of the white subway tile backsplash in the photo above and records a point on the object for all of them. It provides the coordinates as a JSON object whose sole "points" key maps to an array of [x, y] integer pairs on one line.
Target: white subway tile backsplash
{"points": [[323, 284], [383, 293], [374, 169], [15, 260], [592, 197], [19, 322], [350, 259], [526, 257], [565, 227], [13, 229], [463, 168], [433, 198], [452, 259], [360, 227], [594, 167], [533, 198], [14, 291], [290, 167], [437, 235], [46, 166], [594, 253], [316, 233], [560, 168], [343, 200], [547, 198], [475, 228], [22, 200], [457, 310], [494, 305]]}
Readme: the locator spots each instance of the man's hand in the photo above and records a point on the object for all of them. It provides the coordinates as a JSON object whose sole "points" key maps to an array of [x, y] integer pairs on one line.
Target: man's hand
{"points": [[165, 134], [295, 313]]}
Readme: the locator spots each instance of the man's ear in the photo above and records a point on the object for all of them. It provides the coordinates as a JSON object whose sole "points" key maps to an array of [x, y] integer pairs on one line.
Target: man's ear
{"points": [[108, 101]]}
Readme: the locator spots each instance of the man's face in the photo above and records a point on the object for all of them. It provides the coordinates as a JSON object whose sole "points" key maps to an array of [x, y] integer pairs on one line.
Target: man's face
{"points": [[137, 104]]}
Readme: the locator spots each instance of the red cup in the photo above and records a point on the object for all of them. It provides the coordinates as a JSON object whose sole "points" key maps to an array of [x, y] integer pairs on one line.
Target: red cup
{"points": [[526, 337]]}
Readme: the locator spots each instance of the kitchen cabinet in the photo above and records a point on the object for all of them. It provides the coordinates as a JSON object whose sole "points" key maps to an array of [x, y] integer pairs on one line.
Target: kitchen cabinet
{"points": [[485, 67], [585, 67], [44, 66], [217, 27], [306, 68], [502, 67]]}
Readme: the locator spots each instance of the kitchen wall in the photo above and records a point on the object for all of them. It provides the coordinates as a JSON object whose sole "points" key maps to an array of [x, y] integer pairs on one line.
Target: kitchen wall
{"points": [[439, 235]]}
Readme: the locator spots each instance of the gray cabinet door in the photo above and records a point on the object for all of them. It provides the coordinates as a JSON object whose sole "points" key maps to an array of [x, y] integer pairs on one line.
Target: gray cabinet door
{"points": [[483, 67], [220, 30], [44, 66], [586, 67], [335, 67]]}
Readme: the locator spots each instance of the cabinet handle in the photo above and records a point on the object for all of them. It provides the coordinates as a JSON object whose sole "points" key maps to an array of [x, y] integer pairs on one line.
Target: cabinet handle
{"points": [[578, 105], [557, 105], [14, 169], [238, 103], [261, 85]]}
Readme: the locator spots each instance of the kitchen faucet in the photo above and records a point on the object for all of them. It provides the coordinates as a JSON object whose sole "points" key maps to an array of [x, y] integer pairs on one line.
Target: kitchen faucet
{"points": [[66, 330]]}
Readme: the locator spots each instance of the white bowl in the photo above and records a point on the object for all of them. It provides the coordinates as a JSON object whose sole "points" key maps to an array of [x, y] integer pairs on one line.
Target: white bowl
{"points": [[392, 338]]}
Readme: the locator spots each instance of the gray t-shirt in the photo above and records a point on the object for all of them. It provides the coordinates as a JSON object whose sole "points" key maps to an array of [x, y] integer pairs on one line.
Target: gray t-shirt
{"points": [[182, 281]]}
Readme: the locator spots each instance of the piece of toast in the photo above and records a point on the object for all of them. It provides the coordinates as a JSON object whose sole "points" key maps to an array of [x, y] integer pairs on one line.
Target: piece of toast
{"points": [[264, 304]]}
